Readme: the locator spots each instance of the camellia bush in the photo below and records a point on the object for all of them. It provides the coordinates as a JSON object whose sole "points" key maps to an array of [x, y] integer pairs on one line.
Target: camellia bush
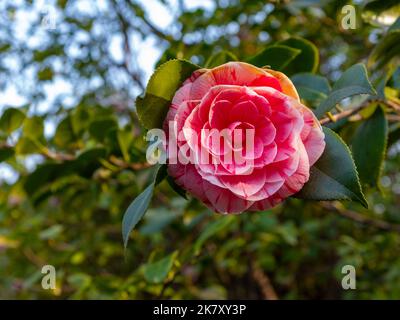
{"points": [[260, 159]]}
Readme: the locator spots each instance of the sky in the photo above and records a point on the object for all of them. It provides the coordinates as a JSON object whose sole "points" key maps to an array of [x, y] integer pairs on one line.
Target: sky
{"points": [[149, 52]]}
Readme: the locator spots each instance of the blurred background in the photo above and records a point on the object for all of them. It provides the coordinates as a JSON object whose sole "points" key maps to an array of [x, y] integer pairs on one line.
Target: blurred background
{"points": [[72, 158]]}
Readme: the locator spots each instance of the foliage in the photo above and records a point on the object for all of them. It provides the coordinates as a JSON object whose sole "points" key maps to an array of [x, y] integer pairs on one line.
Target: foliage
{"points": [[77, 159]]}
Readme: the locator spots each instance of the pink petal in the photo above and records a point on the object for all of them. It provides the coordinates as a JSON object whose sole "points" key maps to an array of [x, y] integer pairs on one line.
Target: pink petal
{"points": [[246, 185], [223, 200], [245, 111]]}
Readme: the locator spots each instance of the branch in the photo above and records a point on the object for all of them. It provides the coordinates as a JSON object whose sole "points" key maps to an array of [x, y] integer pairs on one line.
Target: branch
{"points": [[263, 282], [363, 219], [127, 49], [349, 112]]}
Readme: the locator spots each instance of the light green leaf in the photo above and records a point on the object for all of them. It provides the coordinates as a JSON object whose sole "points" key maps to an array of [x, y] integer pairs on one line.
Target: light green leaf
{"points": [[135, 212], [311, 87], [125, 139], [212, 229], [352, 82], [334, 175], [33, 127], [378, 12], [64, 133], [306, 61], [157, 272], [220, 58], [27, 145], [11, 120], [369, 147], [276, 57], [165, 81]]}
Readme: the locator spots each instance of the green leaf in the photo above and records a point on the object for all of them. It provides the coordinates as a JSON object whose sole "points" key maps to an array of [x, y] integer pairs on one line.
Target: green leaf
{"points": [[64, 133], [353, 81], [33, 127], [277, 57], [165, 81], [11, 120], [135, 212], [212, 229], [369, 147], [306, 61], [334, 175], [385, 50], [157, 272], [176, 188], [377, 12], [125, 139], [311, 87], [99, 129], [27, 145], [220, 58], [6, 153], [45, 74]]}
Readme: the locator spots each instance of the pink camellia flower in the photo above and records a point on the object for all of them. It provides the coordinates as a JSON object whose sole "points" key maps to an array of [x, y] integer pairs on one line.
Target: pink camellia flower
{"points": [[287, 138]]}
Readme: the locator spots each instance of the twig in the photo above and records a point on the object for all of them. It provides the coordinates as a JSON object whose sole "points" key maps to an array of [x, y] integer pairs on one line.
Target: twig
{"points": [[263, 282], [341, 115], [363, 219], [349, 112], [127, 49]]}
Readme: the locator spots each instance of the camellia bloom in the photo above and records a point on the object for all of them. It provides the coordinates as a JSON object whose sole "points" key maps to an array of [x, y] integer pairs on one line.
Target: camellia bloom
{"points": [[287, 138]]}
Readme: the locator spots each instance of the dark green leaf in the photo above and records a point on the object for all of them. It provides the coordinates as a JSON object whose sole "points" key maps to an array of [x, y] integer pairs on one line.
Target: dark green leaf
{"points": [[135, 212], [334, 175], [306, 61], [156, 272], [369, 147], [99, 129], [165, 81], [277, 57], [311, 87], [176, 188], [220, 58], [5, 153], [11, 120], [352, 82]]}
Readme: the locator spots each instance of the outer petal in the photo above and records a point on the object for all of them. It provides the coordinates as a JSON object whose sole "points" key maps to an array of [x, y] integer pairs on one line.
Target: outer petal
{"points": [[224, 201], [287, 86]]}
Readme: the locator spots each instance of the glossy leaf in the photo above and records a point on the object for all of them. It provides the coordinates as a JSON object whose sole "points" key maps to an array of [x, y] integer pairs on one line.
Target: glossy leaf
{"points": [[306, 61], [165, 81], [276, 57], [220, 58], [334, 175], [135, 212], [311, 87], [352, 82], [369, 147]]}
